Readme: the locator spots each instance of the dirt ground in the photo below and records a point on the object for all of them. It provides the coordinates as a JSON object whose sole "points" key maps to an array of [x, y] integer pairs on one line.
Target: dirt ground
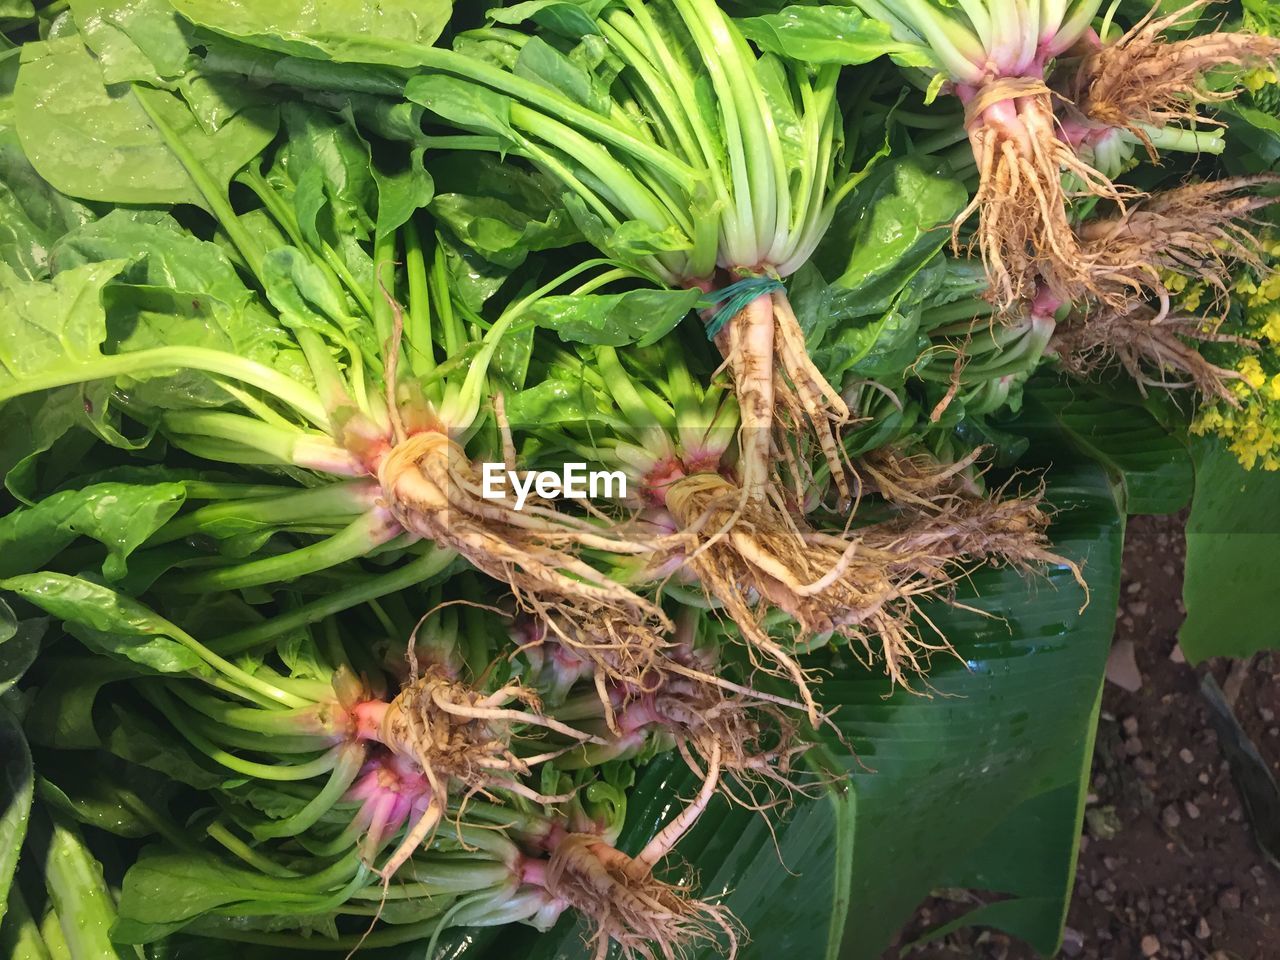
{"points": [[1168, 863]]}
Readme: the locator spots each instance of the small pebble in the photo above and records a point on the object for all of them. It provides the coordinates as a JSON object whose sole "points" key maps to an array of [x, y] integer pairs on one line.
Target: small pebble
{"points": [[1186, 756], [1202, 929], [1192, 810], [1171, 817], [1150, 945], [1072, 942], [1133, 746], [1145, 766]]}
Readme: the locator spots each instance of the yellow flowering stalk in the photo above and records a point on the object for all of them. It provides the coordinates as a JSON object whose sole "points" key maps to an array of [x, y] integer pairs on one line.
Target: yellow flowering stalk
{"points": [[1249, 419]]}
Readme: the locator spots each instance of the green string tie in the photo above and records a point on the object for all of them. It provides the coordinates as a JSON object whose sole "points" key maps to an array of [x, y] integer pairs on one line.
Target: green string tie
{"points": [[734, 298]]}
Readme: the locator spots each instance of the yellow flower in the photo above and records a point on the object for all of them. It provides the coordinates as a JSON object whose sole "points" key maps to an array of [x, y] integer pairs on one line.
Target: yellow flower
{"points": [[1270, 328], [1250, 371], [1255, 80], [1268, 292]]}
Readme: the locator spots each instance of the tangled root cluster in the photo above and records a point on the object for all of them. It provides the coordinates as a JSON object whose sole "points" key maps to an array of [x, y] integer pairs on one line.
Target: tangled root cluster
{"points": [[454, 732], [625, 904], [719, 727], [1145, 80], [1024, 234], [1155, 349], [1199, 230], [914, 480], [435, 492], [751, 556]]}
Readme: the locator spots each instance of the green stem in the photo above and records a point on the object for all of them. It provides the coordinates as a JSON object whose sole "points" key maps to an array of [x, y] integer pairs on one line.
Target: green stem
{"points": [[158, 359], [384, 257], [80, 895], [357, 539], [417, 329], [213, 194], [20, 937], [332, 502], [276, 773], [431, 562], [218, 831], [343, 775]]}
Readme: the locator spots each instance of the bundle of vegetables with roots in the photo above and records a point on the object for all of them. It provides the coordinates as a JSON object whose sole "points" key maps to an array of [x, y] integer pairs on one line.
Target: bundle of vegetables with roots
{"points": [[993, 56], [1198, 233], [1141, 89], [400, 812], [377, 410], [696, 160], [784, 585]]}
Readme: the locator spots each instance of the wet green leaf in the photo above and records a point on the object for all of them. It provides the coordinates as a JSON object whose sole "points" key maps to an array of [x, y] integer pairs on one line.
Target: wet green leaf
{"points": [[98, 142], [348, 31], [133, 39], [820, 34], [17, 786], [106, 621], [641, 317], [1233, 535], [120, 516]]}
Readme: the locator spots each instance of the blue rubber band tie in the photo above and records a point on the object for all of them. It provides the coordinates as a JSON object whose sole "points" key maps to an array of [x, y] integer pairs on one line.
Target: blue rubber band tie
{"points": [[734, 298]]}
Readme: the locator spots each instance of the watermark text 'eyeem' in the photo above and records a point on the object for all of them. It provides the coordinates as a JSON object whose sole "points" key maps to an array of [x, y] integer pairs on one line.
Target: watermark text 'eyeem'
{"points": [[573, 481]]}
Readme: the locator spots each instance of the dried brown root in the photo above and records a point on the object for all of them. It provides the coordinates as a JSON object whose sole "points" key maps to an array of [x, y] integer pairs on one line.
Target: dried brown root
{"points": [[462, 739], [915, 480], [1024, 234], [751, 557], [1200, 231], [1156, 351], [807, 394], [779, 390], [626, 905], [752, 741], [621, 653], [435, 492], [1144, 79], [999, 528]]}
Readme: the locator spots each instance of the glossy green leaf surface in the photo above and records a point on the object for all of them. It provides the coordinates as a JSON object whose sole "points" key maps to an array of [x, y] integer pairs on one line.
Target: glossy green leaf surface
{"points": [[106, 621], [19, 645], [17, 786], [359, 31], [1233, 539], [120, 516], [820, 34], [1151, 467], [100, 142]]}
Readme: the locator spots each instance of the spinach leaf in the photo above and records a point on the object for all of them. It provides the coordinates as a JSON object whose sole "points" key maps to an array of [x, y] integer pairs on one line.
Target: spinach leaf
{"points": [[121, 143], [641, 317], [33, 215], [17, 787], [106, 621], [120, 516], [133, 39], [820, 34], [348, 31], [19, 644]]}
